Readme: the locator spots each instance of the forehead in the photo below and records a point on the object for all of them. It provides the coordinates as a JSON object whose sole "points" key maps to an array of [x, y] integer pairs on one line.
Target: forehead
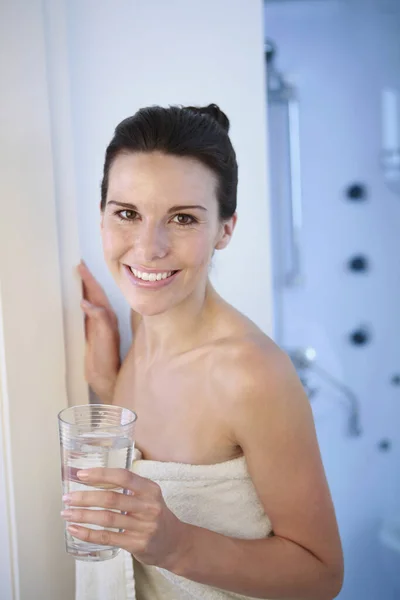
{"points": [[141, 176]]}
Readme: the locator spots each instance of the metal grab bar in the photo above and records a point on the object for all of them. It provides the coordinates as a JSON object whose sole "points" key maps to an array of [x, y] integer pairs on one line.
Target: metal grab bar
{"points": [[294, 275], [281, 92]]}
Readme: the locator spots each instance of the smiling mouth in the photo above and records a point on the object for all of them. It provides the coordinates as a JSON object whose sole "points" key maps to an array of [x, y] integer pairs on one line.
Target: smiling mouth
{"points": [[155, 276]]}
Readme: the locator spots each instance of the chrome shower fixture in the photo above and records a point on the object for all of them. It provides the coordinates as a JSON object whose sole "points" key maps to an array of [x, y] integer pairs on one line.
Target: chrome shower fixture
{"points": [[304, 359]]}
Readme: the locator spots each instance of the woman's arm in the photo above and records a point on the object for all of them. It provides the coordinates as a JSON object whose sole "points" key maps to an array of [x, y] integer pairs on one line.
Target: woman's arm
{"points": [[272, 422]]}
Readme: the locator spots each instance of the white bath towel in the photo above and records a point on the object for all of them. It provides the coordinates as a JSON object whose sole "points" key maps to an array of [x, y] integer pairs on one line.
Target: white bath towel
{"points": [[220, 497]]}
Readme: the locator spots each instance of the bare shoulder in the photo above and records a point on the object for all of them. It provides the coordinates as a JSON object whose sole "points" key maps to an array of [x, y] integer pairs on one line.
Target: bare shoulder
{"points": [[247, 368], [257, 387], [260, 392], [250, 366]]}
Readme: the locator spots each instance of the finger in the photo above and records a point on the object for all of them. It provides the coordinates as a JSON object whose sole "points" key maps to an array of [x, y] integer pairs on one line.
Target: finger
{"points": [[120, 478], [82, 269], [123, 478], [110, 499], [91, 310], [92, 313], [93, 292], [84, 274], [104, 518], [104, 537], [86, 306]]}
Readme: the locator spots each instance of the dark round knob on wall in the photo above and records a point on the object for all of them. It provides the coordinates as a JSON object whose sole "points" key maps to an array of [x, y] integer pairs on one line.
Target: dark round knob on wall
{"points": [[358, 264], [385, 445], [360, 337], [356, 192], [395, 379]]}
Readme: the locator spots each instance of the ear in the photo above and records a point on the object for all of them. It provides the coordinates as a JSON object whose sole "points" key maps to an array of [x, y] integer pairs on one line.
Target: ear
{"points": [[226, 232]]}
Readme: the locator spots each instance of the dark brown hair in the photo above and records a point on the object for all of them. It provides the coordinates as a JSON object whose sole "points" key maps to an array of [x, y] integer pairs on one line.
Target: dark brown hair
{"points": [[196, 132]]}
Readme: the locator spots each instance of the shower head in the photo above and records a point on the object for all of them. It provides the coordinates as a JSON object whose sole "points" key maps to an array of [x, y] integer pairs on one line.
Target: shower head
{"points": [[270, 50], [279, 90]]}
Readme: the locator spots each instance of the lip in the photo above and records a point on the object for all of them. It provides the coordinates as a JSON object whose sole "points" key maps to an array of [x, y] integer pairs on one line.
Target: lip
{"points": [[149, 284]]}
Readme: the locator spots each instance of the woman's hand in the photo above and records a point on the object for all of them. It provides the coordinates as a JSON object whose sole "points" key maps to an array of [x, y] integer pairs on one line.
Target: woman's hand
{"points": [[152, 533], [102, 357]]}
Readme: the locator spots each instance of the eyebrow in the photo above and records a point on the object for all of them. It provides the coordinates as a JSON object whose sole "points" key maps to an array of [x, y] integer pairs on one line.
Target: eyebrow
{"points": [[173, 209]]}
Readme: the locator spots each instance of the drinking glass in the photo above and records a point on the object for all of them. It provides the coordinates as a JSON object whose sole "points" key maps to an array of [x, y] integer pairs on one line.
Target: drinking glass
{"points": [[93, 435]]}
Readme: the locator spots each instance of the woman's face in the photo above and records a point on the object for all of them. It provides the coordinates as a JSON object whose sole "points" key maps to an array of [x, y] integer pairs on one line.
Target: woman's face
{"points": [[160, 227]]}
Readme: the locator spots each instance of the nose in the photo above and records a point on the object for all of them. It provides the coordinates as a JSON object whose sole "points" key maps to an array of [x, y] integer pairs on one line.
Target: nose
{"points": [[152, 243]]}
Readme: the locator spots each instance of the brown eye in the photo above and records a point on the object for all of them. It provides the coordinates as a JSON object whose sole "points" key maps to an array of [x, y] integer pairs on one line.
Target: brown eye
{"points": [[127, 215], [183, 219]]}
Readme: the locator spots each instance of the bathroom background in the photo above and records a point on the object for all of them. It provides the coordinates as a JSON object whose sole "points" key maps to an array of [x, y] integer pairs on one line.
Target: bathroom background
{"points": [[317, 136], [334, 70]]}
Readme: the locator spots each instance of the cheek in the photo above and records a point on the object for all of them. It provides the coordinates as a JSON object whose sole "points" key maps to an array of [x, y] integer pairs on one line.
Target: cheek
{"points": [[113, 242], [197, 250], [108, 241]]}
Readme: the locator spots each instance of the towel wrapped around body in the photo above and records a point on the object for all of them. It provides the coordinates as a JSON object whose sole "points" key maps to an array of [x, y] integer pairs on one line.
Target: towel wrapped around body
{"points": [[220, 497]]}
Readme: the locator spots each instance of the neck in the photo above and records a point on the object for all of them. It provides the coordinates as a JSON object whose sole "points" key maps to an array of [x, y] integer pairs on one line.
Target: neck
{"points": [[180, 329]]}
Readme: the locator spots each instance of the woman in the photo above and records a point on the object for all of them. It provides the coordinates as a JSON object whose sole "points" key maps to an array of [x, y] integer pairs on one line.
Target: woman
{"points": [[213, 394]]}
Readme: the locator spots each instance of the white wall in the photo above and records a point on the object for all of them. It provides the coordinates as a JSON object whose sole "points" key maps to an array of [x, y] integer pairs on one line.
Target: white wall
{"points": [[128, 54], [341, 53]]}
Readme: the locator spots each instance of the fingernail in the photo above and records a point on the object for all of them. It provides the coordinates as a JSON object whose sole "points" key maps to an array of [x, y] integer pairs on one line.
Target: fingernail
{"points": [[85, 304], [67, 498], [83, 474], [73, 529], [66, 513]]}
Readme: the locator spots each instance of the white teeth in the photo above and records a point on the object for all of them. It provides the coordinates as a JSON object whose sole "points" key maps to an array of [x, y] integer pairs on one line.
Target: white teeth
{"points": [[150, 276]]}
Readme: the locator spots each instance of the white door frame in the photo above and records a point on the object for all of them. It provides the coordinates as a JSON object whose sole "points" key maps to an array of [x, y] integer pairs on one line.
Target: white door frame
{"points": [[9, 576], [33, 361], [56, 42]]}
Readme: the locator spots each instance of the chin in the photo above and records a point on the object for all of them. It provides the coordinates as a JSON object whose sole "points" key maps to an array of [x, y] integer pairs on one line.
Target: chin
{"points": [[150, 308], [149, 303]]}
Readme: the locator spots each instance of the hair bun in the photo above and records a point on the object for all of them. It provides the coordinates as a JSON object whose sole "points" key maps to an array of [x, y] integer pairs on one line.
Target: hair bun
{"points": [[213, 111]]}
